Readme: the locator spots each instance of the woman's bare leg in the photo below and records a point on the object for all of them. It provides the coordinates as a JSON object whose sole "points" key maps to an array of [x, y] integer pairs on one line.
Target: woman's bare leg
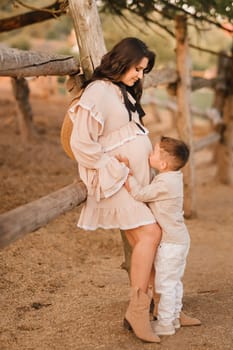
{"points": [[145, 240], [132, 241]]}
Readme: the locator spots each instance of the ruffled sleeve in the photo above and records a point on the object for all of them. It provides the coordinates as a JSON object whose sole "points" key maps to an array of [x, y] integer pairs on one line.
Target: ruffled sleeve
{"points": [[103, 175]]}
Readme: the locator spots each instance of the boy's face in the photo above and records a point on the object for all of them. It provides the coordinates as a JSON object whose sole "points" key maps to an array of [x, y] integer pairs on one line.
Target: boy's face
{"points": [[155, 157], [159, 159]]}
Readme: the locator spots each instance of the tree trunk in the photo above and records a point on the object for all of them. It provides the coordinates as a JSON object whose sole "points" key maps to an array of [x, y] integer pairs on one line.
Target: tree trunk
{"points": [[89, 34], [184, 123]]}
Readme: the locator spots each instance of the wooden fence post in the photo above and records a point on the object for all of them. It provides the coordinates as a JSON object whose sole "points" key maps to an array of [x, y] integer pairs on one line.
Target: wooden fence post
{"points": [[184, 123], [25, 116], [225, 148], [89, 34], [221, 86]]}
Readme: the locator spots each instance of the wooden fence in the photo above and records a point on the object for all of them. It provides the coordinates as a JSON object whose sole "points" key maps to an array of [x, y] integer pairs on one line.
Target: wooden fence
{"points": [[20, 64]]}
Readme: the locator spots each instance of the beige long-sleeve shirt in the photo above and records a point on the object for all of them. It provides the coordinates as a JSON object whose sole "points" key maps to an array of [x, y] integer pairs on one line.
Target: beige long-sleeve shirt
{"points": [[164, 196]]}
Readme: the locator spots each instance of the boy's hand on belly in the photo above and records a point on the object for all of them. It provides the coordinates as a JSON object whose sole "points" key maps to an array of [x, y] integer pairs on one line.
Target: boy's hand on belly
{"points": [[126, 184]]}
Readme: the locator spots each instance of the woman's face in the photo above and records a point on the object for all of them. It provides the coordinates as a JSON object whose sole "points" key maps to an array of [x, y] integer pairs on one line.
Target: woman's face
{"points": [[135, 72]]}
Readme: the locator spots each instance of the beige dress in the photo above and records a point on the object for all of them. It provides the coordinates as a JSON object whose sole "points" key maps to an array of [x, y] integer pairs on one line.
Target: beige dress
{"points": [[102, 130]]}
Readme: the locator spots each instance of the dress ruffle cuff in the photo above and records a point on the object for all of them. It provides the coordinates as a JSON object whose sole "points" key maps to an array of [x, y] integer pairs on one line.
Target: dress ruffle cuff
{"points": [[110, 179], [106, 180]]}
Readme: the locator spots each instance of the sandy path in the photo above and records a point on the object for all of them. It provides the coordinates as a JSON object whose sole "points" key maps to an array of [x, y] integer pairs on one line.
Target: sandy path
{"points": [[62, 288]]}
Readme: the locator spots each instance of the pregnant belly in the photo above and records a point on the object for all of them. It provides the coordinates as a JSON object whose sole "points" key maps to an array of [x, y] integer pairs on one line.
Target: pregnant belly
{"points": [[137, 151]]}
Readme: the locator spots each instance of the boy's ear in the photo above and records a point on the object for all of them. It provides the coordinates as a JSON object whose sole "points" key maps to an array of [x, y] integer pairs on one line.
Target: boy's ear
{"points": [[163, 164]]}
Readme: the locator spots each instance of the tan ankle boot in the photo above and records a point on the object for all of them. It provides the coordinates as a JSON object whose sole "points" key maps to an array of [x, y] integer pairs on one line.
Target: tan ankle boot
{"points": [[137, 316], [186, 321]]}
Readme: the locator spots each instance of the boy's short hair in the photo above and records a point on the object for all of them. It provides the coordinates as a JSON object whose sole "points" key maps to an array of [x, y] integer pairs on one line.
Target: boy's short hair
{"points": [[177, 149]]}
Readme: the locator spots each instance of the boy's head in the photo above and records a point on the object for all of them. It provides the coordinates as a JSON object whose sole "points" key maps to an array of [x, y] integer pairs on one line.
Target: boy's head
{"points": [[169, 154]]}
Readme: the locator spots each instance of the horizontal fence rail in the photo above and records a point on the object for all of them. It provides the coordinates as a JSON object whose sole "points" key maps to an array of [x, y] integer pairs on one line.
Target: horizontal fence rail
{"points": [[29, 217], [20, 63]]}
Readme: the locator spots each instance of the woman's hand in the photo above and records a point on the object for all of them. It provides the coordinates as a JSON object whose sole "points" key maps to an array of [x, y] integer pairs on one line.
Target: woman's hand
{"points": [[124, 160]]}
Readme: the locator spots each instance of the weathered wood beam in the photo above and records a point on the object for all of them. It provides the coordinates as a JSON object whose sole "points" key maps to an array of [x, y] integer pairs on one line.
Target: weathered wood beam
{"points": [[166, 76], [19, 63], [15, 22], [211, 113], [198, 83], [162, 76], [28, 218], [206, 141]]}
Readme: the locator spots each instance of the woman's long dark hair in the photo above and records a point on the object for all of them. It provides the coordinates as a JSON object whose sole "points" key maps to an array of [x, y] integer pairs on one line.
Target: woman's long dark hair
{"points": [[127, 53]]}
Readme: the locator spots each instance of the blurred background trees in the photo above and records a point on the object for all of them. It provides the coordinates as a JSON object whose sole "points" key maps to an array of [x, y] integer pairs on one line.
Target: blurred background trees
{"points": [[152, 21]]}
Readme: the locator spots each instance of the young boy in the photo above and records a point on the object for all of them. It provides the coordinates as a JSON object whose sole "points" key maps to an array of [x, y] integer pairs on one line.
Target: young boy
{"points": [[164, 195]]}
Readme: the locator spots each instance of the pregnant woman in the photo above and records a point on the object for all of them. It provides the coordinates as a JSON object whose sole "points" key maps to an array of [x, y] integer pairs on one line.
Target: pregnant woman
{"points": [[106, 127]]}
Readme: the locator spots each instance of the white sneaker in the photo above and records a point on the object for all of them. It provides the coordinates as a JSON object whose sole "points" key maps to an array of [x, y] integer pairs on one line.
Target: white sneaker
{"points": [[176, 323], [160, 329]]}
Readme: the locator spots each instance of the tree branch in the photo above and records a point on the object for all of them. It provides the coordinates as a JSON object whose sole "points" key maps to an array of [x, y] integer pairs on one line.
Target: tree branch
{"points": [[198, 18], [63, 4], [209, 51], [55, 10]]}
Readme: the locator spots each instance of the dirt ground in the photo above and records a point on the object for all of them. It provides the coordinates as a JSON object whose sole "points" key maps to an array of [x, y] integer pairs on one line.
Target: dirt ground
{"points": [[62, 288]]}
